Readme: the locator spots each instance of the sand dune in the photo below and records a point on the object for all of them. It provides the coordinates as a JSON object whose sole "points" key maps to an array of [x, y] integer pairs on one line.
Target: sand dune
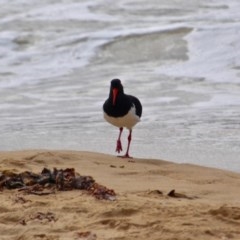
{"points": [[205, 204]]}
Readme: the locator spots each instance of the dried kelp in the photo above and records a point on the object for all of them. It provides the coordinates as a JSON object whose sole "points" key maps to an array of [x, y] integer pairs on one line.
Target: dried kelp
{"points": [[48, 182]]}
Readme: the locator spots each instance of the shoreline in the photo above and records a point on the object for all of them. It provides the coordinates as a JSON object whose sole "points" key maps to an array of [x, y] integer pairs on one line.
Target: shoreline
{"points": [[204, 204]]}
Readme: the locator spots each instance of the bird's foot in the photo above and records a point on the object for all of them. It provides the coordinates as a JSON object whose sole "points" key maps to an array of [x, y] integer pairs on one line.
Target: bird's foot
{"points": [[130, 159], [119, 146]]}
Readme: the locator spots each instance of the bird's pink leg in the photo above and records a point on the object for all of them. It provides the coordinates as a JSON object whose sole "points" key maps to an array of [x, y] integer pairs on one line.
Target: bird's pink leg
{"points": [[119, 144], [129, 141]]}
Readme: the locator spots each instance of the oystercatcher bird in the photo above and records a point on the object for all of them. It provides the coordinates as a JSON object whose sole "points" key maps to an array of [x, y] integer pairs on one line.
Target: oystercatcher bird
{"points": [[122, 110]]}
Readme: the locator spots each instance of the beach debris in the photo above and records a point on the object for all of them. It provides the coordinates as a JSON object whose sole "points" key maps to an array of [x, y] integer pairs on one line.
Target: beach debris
{"points": [[174, 194], [86, 235], [39, 216], [48, 182], [48, 216], [21, 200], [40, 236], [36, 189], [101, 192], [23, 222], [114, 166]]}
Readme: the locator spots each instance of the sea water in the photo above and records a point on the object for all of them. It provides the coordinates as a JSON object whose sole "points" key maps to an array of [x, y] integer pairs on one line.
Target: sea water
{"points": [[180, 58]]}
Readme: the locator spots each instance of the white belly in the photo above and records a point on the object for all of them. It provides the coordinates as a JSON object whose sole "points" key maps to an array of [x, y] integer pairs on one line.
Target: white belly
{"points": [[127, 121]]}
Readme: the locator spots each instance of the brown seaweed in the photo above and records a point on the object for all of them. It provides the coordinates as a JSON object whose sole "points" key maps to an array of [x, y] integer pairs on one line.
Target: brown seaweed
{"points": [[48, 182]]}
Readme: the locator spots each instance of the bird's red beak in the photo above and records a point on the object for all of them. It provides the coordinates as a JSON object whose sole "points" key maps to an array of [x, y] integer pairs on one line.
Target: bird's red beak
{"points": [[115, 93]]}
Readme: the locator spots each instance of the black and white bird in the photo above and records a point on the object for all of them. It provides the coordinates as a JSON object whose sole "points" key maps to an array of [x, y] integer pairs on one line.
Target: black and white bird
{"points": [[122, 110]]}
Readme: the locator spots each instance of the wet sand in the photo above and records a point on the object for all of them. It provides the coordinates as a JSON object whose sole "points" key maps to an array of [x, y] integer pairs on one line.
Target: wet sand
{"points": [[205, 204]]}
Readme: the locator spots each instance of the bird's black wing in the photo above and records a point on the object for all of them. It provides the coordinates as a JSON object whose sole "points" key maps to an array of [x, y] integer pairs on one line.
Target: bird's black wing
{"points": [[137, 104]]}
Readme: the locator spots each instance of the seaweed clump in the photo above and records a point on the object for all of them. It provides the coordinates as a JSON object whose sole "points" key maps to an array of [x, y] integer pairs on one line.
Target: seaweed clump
{"points": [[48, 182]]}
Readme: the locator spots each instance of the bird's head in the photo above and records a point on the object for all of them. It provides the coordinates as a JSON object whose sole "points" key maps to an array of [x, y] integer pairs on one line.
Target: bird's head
{"points": [[115, 89]]}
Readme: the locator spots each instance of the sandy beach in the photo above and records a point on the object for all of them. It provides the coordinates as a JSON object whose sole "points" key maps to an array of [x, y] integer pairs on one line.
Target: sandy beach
{"points": [[204, 205]]}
